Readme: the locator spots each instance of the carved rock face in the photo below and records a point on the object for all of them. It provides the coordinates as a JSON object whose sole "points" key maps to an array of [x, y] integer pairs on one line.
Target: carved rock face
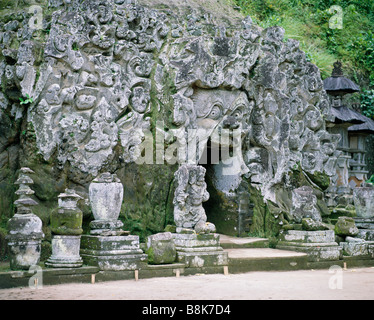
{"points": [[111, 69]]}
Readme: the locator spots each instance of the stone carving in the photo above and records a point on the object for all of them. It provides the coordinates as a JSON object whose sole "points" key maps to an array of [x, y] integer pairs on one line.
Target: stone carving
{"points": [[304, 205], [189, 195], [106, 194], [110, 69], [25, 228], [107, 246]]}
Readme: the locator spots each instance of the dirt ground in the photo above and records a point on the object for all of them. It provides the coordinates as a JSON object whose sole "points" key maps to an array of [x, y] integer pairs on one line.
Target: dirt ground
{"points": [[350, 284]]}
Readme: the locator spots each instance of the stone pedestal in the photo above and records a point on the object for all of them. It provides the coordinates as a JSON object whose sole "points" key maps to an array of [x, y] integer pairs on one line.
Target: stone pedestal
{"points": [[66, 225], [161, 248], [24, 253], [65, 252], [319, 245], [106, 247], [112, 253], [199, 250]]}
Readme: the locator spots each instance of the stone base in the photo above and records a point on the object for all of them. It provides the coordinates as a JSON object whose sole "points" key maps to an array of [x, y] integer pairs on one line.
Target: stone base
{"points": [[113, 253], [318, 245], [24, 253], [109, 227], [202, 259], [65, 252], [197, 251]]}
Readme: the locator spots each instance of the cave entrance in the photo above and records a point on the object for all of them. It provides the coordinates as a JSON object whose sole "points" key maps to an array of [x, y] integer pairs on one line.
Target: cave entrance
{"points": [[229, 206]]}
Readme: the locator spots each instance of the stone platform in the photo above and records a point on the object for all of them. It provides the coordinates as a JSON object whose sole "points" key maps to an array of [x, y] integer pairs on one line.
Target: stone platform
{"points": [[112, 253], [319, 245], [240, 259], [199, 251], [265, 259]]}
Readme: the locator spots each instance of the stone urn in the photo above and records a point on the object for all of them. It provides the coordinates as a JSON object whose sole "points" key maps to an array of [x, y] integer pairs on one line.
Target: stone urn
{"points": [[67, 218], [66, 224], [363, 198], [106, 195]]}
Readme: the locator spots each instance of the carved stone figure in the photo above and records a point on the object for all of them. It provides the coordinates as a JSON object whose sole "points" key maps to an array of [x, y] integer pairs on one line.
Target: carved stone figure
{"points": [[188, 199]]}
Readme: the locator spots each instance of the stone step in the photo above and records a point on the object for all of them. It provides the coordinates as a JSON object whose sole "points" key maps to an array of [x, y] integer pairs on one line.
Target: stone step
{"points": [[229, 242], [265, 259]]}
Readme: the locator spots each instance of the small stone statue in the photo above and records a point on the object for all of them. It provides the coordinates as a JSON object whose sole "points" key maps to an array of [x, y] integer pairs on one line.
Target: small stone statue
{"points": [[188, 198], [25, 228], [304, 204]]}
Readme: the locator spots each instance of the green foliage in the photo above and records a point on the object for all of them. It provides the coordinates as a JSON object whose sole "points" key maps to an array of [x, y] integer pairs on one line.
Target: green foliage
{"points": [[27, 100], [308, 21], [367, 103], [371, 180], [363, 50]]}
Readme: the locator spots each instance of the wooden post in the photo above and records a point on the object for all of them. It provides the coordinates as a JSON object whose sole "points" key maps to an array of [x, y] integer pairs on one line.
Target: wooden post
{"points": [[93, 276], [226, 270], [136, 275]]}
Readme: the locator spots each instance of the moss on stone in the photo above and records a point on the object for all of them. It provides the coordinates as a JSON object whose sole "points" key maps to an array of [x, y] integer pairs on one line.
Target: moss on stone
{"points": [[264, 221], [321, 179], [147, 206]]}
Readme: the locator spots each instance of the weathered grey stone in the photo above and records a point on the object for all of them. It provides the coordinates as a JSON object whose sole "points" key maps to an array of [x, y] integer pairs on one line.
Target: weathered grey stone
{"points": [[366, 234], [327, 236], [304, 205], [189, 195], [363, 198], [112, 253], [24, 253], [25, 228], [355, 248], [106, 194], [310, 225], [161, 248], [319, 245], [200, 250], [109, 69], [345, 226], [65, 252]]}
